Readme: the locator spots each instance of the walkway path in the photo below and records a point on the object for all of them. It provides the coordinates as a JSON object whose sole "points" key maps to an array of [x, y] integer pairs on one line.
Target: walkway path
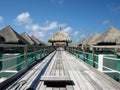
{"points": [[62, 71]]}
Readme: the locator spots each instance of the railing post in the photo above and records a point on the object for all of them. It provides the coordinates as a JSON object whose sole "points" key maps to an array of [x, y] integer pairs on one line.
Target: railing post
{"points": [[84, 53], [93, 56], [40, 53], [78, 52], [100, 62], [25, 55], [45, 51], [35, 53]]}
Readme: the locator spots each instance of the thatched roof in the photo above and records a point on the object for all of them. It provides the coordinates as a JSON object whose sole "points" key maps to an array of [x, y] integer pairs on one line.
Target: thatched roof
{"points": [[27, 38], [110, 36], [11, 36], [89, 41], [81, 42], [118, 40], [36, 41], [60, 36], [2, 40]]}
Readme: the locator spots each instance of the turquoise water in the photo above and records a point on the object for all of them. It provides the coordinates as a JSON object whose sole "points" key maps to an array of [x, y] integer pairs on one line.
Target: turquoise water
{"points": [[88, 59], [30, 60], [88, 56]]}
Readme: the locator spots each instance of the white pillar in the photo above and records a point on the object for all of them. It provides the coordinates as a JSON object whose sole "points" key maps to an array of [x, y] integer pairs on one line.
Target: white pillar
{"points": [[100, 62]]}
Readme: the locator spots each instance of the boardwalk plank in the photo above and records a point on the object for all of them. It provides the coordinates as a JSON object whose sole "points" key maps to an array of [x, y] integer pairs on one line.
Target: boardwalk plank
{"points": [[76, 83], [69, 87], [62, 88], [48, 88], [56, 89]]}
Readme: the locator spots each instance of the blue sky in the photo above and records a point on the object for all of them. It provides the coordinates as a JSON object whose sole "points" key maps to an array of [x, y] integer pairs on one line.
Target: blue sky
{"points": [[42, 18]]}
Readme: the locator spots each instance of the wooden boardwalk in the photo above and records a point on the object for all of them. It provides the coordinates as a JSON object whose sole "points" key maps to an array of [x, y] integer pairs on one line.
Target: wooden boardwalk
{"points": [[62, 71]]}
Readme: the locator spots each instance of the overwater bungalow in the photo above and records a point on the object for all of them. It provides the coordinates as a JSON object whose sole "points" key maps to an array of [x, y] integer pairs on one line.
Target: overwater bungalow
{"points": [[88, 41], [80, 43], [2, 40], [10, 36], [36, 41], [60, 39], [109, 37], [27, 38], [91, 39]]}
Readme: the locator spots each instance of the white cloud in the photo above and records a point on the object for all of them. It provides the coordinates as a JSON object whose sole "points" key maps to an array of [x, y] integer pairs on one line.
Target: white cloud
{"points": [[49, 26], [76, 33], [106, 22], [23, 18], [38, 34], [52, 25], [33, 27], [41, 31], [1, 19], [82, 36], [67, 30], [63, 25]]}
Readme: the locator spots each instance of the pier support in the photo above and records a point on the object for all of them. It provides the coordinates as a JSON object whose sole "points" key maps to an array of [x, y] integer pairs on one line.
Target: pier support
{"points": [[84, 56], [35, 55], [93, 56], [25, 55]]}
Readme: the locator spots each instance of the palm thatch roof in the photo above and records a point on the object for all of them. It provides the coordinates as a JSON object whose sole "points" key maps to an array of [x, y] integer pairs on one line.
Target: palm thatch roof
{"points": [[118, 40], [27, 38], [2, 40], [60, 36], [11, 36], [36, 41], [81, 42], [89, 41], [108, 37]]}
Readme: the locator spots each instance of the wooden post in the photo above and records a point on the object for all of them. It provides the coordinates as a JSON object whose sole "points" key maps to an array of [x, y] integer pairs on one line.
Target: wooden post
{"points": [[83, 52], [44, 51], [40, 53], [74, 52], [78, 52], [93, 56], [52, 44], [66, 43], [35, 53], [25, 55]]}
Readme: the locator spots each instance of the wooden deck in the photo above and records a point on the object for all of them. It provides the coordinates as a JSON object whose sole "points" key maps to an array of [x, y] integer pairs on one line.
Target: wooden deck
{"points": [[62, 71]]}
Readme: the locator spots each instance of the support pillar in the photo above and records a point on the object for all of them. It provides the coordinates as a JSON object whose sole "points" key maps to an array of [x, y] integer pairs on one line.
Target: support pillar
{"points": [[84, 53], [35, 55], [25, 55], [52, 43], [93, 56], [66, 43]]}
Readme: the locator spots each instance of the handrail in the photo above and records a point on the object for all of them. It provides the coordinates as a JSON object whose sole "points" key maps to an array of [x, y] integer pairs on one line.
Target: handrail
{"points": [[111, 69], [74, 51], [12, 45], [112, 58], [7, 59], [27, 50], [12, 67]]}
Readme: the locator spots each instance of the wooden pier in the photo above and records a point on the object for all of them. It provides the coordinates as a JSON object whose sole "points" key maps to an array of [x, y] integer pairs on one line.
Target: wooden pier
{"points": [[60, 70]]}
